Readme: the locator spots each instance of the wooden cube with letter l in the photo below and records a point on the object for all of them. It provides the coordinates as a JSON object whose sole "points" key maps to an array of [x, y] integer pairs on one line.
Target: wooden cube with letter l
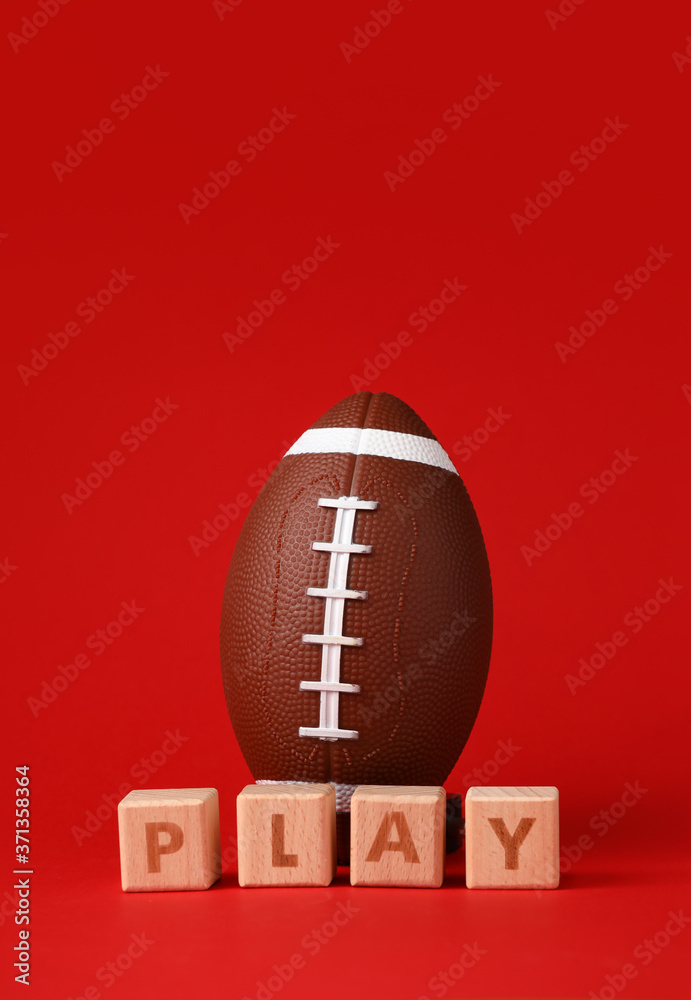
{"points": [[169, 839], [398, 835], [512, 837], [286, 834]]}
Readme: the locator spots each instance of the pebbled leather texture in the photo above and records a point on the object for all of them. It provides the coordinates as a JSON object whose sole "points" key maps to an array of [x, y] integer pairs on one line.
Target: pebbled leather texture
{"points": [[426, 624]]}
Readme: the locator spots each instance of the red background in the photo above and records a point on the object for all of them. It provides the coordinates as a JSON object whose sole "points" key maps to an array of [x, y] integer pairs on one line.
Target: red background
{"points": [[322, 176]]}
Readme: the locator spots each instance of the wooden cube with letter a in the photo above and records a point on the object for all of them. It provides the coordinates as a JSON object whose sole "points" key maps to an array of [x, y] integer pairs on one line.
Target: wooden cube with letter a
{"points": [[286, 834], [512, 837], [397, 835], [169, 839]]}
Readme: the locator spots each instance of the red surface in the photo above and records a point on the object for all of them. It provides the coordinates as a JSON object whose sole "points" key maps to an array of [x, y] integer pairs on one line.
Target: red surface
{"points": [[162, 336]]}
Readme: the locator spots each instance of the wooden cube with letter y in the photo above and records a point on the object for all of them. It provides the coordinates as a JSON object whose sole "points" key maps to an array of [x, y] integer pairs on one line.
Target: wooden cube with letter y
{"points": [[397, 835], [512, 837], [286, 834], [169, 839]]}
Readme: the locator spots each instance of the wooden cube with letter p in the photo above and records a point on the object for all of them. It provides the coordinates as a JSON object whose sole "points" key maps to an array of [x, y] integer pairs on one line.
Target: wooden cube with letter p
{"points": [[286, 834], [397, 835], [169, 839], [512, 837]]}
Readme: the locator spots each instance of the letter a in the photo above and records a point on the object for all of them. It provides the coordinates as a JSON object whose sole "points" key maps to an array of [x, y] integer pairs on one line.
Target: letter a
{"points": [[404, 843]]}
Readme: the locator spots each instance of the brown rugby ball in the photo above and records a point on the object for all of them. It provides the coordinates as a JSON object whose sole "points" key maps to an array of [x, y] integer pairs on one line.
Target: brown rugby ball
{"points": [[357, 615]]}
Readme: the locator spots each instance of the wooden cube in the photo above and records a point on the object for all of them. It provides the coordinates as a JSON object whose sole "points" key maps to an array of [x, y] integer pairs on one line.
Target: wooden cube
{"points": [[397, 835], [169, 839], [512, 837], [286, 834]]}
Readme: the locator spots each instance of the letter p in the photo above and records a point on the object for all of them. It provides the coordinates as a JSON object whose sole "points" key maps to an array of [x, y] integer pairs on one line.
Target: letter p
{"points": [[154, 847]]}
